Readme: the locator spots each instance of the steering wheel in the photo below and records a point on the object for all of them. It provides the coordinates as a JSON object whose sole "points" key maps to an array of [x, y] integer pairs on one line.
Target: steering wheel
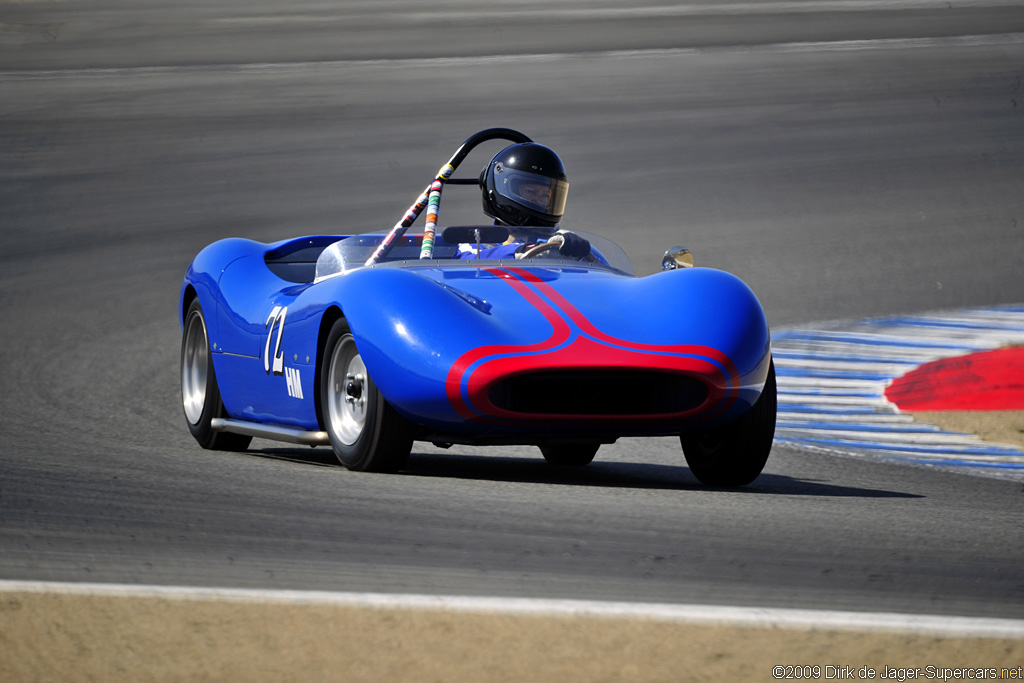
{"points": [[545, 247]]}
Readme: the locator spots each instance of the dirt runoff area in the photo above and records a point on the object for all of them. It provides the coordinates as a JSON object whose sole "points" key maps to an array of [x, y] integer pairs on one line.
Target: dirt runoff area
{"points": [[996, 426], [74, 636]]}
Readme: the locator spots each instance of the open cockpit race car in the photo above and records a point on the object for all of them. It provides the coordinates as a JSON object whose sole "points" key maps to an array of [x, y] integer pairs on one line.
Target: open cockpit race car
{"points": [[369, 342]]}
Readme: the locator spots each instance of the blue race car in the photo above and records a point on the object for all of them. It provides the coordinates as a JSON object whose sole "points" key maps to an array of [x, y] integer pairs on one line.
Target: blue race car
{"points": [[367, 343]]}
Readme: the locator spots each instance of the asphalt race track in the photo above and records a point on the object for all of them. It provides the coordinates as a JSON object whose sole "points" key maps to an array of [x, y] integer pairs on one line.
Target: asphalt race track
{"points": [[845, 159]]}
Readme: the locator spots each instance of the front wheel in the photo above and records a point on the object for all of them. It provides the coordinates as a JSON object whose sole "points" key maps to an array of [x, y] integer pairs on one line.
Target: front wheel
{"points": [[735, 453], [200, 396], [366, 433]]}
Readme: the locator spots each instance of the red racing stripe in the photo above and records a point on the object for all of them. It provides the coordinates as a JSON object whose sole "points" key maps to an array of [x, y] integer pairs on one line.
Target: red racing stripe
{"points": [[559, 334], [588, 328], [600, 350]]}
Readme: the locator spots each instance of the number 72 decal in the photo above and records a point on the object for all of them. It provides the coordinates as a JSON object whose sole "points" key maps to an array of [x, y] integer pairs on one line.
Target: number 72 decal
{"points": [[276, 318], [294, 381]]}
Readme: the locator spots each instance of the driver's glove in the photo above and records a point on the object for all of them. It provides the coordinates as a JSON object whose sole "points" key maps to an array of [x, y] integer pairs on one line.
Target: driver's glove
{"points": [[573, 245]]}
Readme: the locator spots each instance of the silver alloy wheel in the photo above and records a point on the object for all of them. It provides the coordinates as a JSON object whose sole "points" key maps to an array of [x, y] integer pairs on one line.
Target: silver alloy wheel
{"points": [[347, 392], [194, 362]]}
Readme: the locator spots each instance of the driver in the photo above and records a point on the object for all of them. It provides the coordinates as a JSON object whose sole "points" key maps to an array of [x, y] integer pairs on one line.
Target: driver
{"points": [[525, 185]]}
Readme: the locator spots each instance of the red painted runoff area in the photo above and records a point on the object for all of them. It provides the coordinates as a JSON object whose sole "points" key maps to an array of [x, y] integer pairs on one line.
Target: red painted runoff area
{"points": [[990, 380]]}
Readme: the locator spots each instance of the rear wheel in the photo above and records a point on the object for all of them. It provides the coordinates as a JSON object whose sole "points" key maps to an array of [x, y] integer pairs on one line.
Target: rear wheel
{"points": [[366, 433], [200, 396], [570, 454], [735, 453]]}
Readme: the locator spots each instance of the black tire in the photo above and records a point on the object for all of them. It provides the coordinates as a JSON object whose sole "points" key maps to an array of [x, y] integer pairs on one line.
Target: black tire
{"points": [[734, 454], [366, 433], [200, 396], [570, 454]]}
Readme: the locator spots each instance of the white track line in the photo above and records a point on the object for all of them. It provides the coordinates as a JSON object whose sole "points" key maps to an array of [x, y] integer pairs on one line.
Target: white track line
{"points": [[550, 12], [764, 617], [488, 14], [949, 42]]}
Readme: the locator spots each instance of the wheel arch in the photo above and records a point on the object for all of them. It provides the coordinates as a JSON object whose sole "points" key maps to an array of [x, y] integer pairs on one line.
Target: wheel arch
{"points": [[332, 315], [188, 295]]}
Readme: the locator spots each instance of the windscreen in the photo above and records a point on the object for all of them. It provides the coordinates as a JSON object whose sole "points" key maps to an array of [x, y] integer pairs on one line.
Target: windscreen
{"points": [[350, 253]]}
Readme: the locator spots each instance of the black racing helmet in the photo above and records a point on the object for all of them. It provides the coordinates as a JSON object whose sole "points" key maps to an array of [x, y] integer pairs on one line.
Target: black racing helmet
{"points": [[525, 184]]}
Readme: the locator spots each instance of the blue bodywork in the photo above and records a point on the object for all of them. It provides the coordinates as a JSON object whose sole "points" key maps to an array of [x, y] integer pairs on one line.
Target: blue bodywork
{"points": [[457, 346]]}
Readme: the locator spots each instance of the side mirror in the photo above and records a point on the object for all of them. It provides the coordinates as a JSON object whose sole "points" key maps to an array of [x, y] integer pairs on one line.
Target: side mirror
{"points": [[677, 257]]}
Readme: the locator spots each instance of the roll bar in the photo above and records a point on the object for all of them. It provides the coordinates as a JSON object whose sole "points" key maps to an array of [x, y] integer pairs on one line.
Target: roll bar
{"points": [[432, 195]]}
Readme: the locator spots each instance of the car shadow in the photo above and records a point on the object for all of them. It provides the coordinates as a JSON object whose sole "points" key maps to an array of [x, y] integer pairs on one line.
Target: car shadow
{"points": [[321, 457], [497, 468]]}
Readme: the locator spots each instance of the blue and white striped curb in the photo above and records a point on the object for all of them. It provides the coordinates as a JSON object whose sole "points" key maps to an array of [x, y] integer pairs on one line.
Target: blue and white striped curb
{"points": [[832, 379]]}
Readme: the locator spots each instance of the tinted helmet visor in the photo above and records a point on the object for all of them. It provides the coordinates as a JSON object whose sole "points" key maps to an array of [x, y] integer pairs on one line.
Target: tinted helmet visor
{"points": [[530, 190]]}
